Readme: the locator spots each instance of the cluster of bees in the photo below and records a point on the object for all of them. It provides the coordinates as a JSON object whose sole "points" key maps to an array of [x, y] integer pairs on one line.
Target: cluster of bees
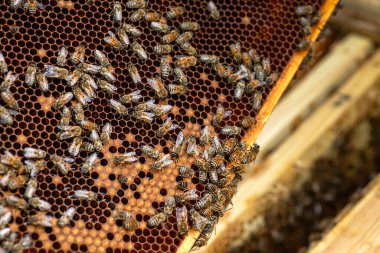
{"points": [[31, 5], [307, 18]]}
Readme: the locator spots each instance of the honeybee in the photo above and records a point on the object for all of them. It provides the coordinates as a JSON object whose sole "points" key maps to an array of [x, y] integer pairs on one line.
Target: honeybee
{"points": [[257, 100], [6, 178], [59, 163], [85, 195], [62, 101], [3, 64], [117, 11], [304, 10], [214, 13], [102, 58], [10, 160], [107, 74], [188, 48], [146, 106], [205, 135], [252, 85], [192, 146], [163, 49], [182, 78], [246, 59], [94, 136], [160, 164], [5, 218], [255, 56], [166, 127], [184, 37], [186, 172], [40, 204], [42, 82], [8, 98], [189, 26], [17, 182], [178, 146], [185, 61], [139, 50], [132, 97], [4, 233], [8, 81], [124, 39], [62, 56], [157, 85], [247, 122], [106, 86], [316, 18], [135, 32], [304, 44], [170, 37], [222, 70], [152, 16], [33, 167], [105, 135], [121, 215], [33, 5], [80, 96], [265, 63], [216, 145], [34, 153], [219, 207], [239, 90], [169, 205], [156, 220], [78, 113], [125, 158], [182, 185], [166, 69], [14, 201], [90, 68], [238, 153], [30, 74], [136, 4], [137, 15], [182, 224], [88, 90], [112, 40], [208, 58], [89, 163], [122, 179], [236, 52], [231, 130], [145, 117], [237, 178], [118, 107], [151, 152], [251, 155], [160, 27], [40, 220], [216, 161], [3, 169], [306, 26], [74, 77], [221, 114], [131, 224], [87, 124], [14, 4], [175, 12], [177, 89], [202, 162], [199, 221], [66, 217], [186, 196], [55, 72], [133, 72], [69, 132], [272, 78], [78, 55]]}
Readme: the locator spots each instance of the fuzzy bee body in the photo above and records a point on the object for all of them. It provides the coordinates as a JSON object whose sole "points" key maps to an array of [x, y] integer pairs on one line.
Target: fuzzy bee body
{"points": [[40, 220], [126, 158], [166, 127], [175, 12], [160, 164], [62, 56], [182, 224], [85, 195], [186, 172], [156, 220], [151, 152], [66, 217]]}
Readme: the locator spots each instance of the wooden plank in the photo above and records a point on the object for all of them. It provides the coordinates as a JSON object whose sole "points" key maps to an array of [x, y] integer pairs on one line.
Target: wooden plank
{"points": [[359, 229], [366, 9], [285, 168], [314, 87]]}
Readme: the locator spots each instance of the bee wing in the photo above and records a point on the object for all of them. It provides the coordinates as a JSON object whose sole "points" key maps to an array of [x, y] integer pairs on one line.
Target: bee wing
{"points": [[63, 51], [130, 154], [227, 114], [26, 5], [166, 108], [40, 6], [112, 34], [181, 214], [12, 112], [136, 93], [94, 135], [179, 140], [211, 6], [154, 85], [166, 163], [205, 131], [107, 128], [205, 155]]}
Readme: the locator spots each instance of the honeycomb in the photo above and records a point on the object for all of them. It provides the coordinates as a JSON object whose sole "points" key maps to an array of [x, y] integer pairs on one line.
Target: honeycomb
{"points": [[270, 27]]}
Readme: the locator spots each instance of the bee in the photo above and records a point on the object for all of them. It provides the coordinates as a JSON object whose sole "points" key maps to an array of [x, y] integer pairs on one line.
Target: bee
{"points": [[157, 85], [246, 59], [88, 90], [69, 132], [205, 135], [216, 146], [272, 78], [238, 153], [184, 37], [33, 5], [3, 64], [106, 86], [118, 107], [200, 222], [10, 160], [107, 74], [182, 185], [62, 56], [90, 68], [231, 130], [3, 169], [304, 44], [160, 164], [124, 39], [78, 113], [5, 219], [139, 50], [94, 136], [80, 96], [122, 179], [87, 124], [55, 72], [66, 217], [214, 13], [208, 58], [61, 101], [40, 204], [170, 37], [186, 172], [126, 158], [169, 205], [133, 72], [185, 61], [14, 4], [117, 11], [229, 145], [6, 178], [251, 155], [160, 27], [182, 224], [251, 86], [112, 41], [219, 207], [33, 167], [88, 83], [145, 117], [178, 146], [89, 163], [78, 55], [221, 114], [136, 4], [199, 243], [316, 18], [30, 74], [247, 122], [175, 12], [189, 26], [186, 196], [221, 70], [177, 89], [216, 161], [265, 63], [34, 153], [237, 178], [192, 146], [106, 133], [239, 90], [152, 16], [151, 152], [74, 77], [135, 32], [182, 78], [14, 201], [101, 58], [257, 100], [8, 98], [166, 69], [85, 195], [214, 176], [166, 127], [121, 215], [42, 82], [255, 56], [146, 106], [156, 220], [131, 224], [8, 81], [137, 15], [40, 219], [306, 26], [59, 163], [304, 10], [236, 52], [17, 182], [202, 162], [188, 48], [31, 188]]}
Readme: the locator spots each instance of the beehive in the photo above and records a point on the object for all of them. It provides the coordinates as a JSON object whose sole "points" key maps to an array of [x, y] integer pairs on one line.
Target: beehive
{"points": [[271, 27]]}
